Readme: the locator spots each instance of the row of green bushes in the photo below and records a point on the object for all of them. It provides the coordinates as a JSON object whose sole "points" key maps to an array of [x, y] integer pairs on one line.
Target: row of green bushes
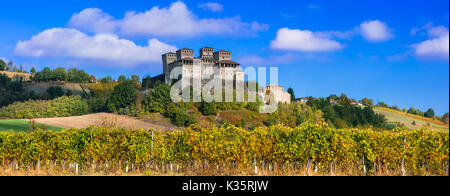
{"points": [[323, 145], [59, 107]]}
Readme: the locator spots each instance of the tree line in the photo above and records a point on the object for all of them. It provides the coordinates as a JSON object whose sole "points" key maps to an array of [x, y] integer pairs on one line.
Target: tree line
{"points": [[11, 67]]}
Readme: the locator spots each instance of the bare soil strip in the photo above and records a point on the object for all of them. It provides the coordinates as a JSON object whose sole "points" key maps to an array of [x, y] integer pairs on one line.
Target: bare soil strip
{"points": [[101, 120]]}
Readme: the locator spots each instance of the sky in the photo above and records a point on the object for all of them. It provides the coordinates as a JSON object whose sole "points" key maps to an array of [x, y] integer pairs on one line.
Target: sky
{"points": [[391, 51]]}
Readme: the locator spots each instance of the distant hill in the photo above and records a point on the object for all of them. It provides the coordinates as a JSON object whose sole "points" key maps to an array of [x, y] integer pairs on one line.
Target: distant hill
{"points": [[394, 117]]}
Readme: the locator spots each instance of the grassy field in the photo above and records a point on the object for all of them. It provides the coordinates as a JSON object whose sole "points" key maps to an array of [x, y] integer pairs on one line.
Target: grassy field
{"points": [[395, 117], [21, 125]]}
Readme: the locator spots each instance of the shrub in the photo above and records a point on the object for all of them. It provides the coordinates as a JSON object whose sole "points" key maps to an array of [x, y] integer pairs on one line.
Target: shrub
{"points": [[55, 91], [123, 96], [208, 108], [59, 107], [157, 99], [184, 119], [97, 104]]}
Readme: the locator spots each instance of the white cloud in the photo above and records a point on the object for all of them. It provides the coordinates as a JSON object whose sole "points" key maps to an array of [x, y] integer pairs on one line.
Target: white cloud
{"points": [[175, 20], [375, 31], [437, 46], [93, 20], [303, 40], [214, 7], [73, 44], [438, 31]]}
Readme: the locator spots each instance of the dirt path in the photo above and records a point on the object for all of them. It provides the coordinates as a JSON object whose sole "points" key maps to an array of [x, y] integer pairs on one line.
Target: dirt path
{"points": [[101, 120]]}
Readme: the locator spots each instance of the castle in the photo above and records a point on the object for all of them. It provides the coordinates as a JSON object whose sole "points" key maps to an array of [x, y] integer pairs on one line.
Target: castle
{"points": [[208, 58], [229, 70]]}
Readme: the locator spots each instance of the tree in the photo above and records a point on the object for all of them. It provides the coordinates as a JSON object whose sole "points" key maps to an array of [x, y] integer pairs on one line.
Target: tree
{"points": [[77, 75], [344, 100], [291, 92], [123, 96], [429, 113], [107, 79], [60, 74], [122, 78], [147, 82], [44, 75], [55, 91], [445, 118], [9, 67], [333, 97], [33, 71], [208, 108], [92, 79], [367, 102], [2, 65], [382, 104], [412, 110], [157, 99], [136, 79]]}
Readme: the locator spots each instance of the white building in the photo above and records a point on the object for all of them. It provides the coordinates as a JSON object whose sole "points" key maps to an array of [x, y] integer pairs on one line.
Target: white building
{"points": [[279, 95]]}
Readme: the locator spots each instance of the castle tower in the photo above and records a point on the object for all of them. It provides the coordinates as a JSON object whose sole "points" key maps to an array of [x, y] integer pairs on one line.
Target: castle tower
{"points": [[206, 52], [167, 59], [222, 55], [185, 53]]}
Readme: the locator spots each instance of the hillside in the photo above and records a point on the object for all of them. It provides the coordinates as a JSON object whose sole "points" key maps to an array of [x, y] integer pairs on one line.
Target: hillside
{"points": [[394, 117], [26, 76], [41, 88]]}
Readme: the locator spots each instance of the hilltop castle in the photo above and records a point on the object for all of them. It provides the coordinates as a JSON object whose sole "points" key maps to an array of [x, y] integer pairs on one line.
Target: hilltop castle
{"points": [[208, 59], [229, 70]]}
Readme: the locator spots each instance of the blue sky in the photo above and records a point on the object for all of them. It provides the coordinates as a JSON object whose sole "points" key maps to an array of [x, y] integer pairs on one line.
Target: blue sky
{"points": [[391, 51]]}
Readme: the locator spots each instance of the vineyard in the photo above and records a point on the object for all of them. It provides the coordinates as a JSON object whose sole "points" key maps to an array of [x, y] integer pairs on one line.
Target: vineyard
{"points": [[274, 150]]}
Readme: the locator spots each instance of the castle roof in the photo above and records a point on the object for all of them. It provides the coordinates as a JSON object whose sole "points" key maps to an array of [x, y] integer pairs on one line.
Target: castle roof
{"points": [[229, 62], [222, 51], [184, 49]]}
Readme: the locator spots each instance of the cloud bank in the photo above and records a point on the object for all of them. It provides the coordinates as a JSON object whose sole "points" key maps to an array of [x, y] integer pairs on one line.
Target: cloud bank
{"points": [[73, 44], [175, 20], [321, 41]]}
